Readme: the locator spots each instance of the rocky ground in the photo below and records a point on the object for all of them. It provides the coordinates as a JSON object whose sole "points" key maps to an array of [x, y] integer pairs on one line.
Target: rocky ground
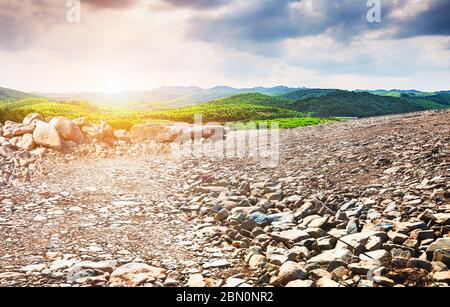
{"points": [[359, 203]]}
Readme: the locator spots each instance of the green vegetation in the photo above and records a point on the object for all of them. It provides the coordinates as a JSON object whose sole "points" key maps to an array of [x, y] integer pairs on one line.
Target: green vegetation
{"points": [[399, 93], [192, 95], [285, 123], [6, 93], [306, 93], [363, 104], [223, 112], [16, 110], [252, 98], [233, 109], [310, 107]]}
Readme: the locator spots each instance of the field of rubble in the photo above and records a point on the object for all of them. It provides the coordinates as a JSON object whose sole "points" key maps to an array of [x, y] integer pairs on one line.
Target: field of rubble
{"points": [[360, 203]]}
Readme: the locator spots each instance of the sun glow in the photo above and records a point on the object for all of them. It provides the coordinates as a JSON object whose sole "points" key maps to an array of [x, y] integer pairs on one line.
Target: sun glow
{"points": [[112, 84]]}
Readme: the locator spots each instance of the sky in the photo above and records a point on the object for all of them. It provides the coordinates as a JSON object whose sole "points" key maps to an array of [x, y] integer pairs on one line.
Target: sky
{"points": [[142, 44]]}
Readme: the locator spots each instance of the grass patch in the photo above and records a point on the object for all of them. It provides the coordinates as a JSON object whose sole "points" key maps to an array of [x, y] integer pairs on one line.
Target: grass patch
{"points": [[285, 123]]}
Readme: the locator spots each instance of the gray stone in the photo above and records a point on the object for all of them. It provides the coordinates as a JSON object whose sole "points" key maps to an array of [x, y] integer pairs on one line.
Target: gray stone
{"points": [[383, 281], [290, 271], [33, 268], [256, 261], [196, 281], [396, 237], [294, 235], [298, 283], [326, 283], [358, 239], [327, 256], [363, 267], [222, 263], [439, 244], [442, 255], [380, 255]]}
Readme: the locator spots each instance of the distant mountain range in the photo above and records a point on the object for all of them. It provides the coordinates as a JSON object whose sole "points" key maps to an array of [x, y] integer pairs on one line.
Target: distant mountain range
{"points": [[173, 95], [6, 93], [227, 100]]}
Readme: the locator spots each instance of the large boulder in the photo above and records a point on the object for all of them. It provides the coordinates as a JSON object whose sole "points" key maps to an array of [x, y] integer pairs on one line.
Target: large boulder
{"points": [[27, 142], [81, 121], [157, 133], [46, 135], [24, 142], [32, 117], [102, 132], [67, 129], [122, 135], [12, 129]]}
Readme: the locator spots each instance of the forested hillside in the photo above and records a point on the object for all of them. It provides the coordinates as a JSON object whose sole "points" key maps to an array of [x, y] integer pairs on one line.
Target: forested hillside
{"points": [[6, 93], [320, 103], [363, 104]]}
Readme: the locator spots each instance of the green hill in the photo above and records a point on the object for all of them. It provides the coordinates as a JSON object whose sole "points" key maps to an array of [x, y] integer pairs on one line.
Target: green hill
{"points": [[240, 107], [306, 93], [252, 98], [16, 110], [8, 94], [223, 111], [170, 96], [363, 104], [397, 93], [247, 107]]}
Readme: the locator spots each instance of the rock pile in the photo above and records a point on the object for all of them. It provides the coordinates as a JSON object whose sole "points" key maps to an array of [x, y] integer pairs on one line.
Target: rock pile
{"points": [[23, 144], [363, 203]]}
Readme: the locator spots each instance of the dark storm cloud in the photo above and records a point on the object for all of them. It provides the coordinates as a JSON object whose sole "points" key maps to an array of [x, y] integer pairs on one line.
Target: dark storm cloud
{"points": [[254, 25], [434, 21], [272, 20], [264, 21], [261, 21]]}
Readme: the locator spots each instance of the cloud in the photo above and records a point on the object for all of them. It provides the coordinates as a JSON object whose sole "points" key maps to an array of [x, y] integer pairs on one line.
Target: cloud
{"points": [[432, 19], [21, 23], [25, 22], [260, 22], [116, 4], [238, 42], [197, 4], [369, 57], [275, 20]]}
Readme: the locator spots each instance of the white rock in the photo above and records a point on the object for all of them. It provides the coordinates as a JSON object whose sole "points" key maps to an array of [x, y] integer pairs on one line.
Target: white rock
{"points": [[33, 268], [46, 135]]}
